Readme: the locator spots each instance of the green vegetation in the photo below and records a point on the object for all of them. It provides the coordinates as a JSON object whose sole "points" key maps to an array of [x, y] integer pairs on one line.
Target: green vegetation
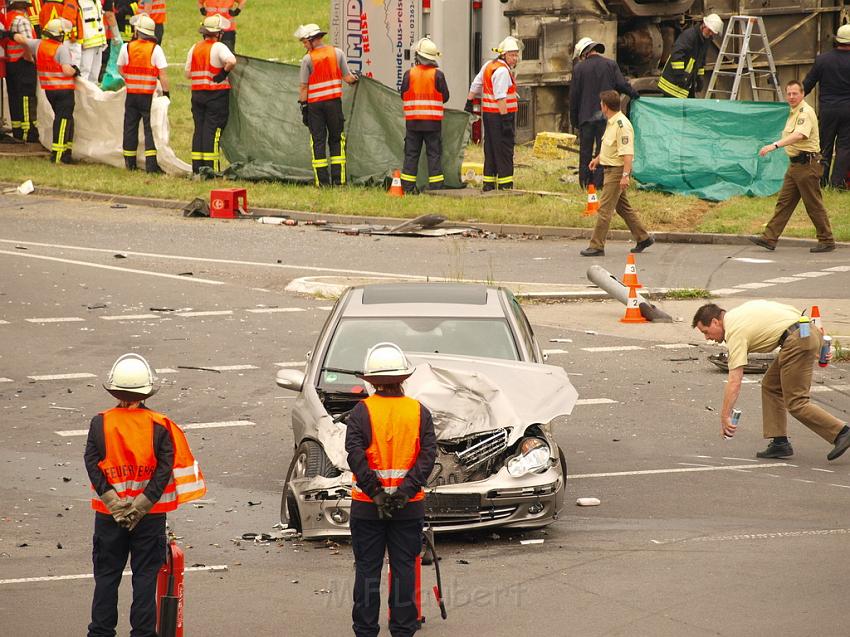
{"points": [[686, 293], [842, 354], [265, 30]]}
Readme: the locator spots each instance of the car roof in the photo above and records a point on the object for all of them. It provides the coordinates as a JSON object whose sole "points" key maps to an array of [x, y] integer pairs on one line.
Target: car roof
{"points": [[424, 299]]}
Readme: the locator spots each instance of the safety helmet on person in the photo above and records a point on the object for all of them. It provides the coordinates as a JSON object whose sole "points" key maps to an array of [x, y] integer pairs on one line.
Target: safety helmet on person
{"points": [[842, 36], [130, 379], [426, 48], [143, 24], [214, 24], [309, 32], [12, 3], [713, 22], [386, 364], [586, 45], [57, 28], [509, 45]]}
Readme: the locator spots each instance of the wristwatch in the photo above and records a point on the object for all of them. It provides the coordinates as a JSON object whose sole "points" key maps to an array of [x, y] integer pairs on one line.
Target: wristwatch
{"points": [[776, 145], [626, 174]]}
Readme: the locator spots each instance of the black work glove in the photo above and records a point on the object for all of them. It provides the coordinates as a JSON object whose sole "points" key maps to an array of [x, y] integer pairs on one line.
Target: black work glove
{"points": [[221, 75], [203, 10], [77, 71], [382, 501], [5, 34], [304, 118], [235, 11], [398, 501], [469, 107], [166, 94]]}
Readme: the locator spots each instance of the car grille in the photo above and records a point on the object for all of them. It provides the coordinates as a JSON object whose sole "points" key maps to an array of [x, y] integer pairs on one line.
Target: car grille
{"points": [[483, 447], [484, 514]]}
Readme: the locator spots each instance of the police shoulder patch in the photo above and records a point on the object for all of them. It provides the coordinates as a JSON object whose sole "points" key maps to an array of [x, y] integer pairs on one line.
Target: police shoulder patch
{"points": [[802, 120], [624, 139], [620, 123]]}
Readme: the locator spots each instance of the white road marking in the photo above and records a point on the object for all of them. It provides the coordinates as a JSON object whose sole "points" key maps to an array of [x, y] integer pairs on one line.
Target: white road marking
{"points": [[674, 345], [197, 425], [595, 401], [812, 275], [621, 348], [6, 380], [819, 389], [207, 313], [724, 292], [646, 472], [232, 368], [784, 279], [754, 286], [326, 308], [694, 464], [838, 268], [740, 459], [843, 486], [65, 578], [130, 317], [4, 322], [165, 370], [751, 260], [60, 319], [62, 376], [271, 310], [802, 480], [555, 351], [823, 470], [292, 364], [108, 267]]}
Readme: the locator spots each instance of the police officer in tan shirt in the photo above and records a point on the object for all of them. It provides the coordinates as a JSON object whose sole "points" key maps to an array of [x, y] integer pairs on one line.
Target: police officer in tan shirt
{"points": [[615, 156], [801, 141], [762, 326]]}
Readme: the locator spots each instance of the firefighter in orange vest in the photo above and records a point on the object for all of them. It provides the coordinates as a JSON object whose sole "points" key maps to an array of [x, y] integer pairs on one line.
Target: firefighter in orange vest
{"points": [[323, 70], [21, 80], [140, 467], [56, 74], [141, 62], [33, 10], [207, 67], [391, 446], [496, 86], [424, 91], [155, 10], [228, 9]]}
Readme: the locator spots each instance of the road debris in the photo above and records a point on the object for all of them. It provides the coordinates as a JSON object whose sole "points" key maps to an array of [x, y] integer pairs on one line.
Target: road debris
{"points": [[534, 541], [588, 502], [203, 369]]}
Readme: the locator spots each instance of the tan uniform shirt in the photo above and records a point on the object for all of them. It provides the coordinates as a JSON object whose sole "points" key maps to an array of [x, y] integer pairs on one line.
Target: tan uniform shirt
{"points": [[802, 120], [756, 326], [618, 140]]}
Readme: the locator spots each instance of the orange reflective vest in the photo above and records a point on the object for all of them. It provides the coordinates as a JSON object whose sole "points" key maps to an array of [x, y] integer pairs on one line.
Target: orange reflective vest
{"points": [[33, 11], [220, 7], [50, 10], [50, 74], [395, 442], [155, 10], [488, 98], [202, 71], [140, 73], [325, 81], [15, 51], [130, 460], [422, 100]]}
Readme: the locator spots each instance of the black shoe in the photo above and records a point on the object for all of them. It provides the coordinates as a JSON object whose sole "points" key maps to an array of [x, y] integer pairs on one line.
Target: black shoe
{"points": [[823, 247], [761, 241], [643, 245], [155, 170], [778, 450], [842, 443], [592, 252]]}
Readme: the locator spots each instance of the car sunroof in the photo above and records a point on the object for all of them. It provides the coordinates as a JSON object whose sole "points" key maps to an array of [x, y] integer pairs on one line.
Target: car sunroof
{"points": [[425, 293]]}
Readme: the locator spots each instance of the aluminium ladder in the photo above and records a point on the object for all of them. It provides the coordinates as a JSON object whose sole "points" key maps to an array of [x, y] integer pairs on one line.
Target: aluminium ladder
{"points": [[743, 30]]}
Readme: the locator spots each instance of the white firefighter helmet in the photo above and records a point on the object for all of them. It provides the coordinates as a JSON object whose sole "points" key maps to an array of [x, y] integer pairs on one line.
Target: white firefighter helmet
{"points": [[386, 364], [842, 36], [509, 45], [130, 378], [714, 23], [214, 24], [58, 27], [585, 44], [309, 31], [143, 24], [427, 49]]}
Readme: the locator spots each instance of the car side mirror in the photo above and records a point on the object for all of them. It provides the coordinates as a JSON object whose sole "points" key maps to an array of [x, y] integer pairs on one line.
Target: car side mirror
{"points": [[291, 379]]}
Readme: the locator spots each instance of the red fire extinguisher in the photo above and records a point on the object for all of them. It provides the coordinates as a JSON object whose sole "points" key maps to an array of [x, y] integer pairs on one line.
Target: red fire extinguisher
{"points": [[169, 593]]}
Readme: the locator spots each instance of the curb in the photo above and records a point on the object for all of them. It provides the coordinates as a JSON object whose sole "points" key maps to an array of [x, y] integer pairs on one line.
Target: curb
{"points": [[501, 229]]}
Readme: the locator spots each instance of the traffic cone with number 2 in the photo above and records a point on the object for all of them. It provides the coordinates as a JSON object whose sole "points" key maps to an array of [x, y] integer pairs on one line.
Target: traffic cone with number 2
{"points": [[633, 314], [592, 201]]}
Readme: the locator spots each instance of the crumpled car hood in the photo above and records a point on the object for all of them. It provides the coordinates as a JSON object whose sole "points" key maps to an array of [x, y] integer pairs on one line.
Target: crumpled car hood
{"points": [[469, 395]]}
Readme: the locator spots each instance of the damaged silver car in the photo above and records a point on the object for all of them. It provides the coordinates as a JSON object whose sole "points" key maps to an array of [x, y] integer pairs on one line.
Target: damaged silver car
{"points": [[479, 371]]}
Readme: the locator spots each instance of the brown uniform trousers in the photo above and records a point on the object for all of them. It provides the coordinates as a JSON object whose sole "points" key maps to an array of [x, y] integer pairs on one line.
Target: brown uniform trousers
{"points": [[786, 386], [802, 181], [613, 199]]}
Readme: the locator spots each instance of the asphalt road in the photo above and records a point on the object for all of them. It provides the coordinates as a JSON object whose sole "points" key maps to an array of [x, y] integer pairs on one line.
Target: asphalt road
{"points": [[693, 536]]}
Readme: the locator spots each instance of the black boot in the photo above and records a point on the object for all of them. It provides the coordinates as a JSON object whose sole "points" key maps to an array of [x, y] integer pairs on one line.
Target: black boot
{"points": [[777, 449], [151, 166], [130, 163]]}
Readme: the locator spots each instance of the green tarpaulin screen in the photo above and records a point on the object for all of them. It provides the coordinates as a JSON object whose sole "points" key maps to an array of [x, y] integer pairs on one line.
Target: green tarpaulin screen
{"points": [[708, 148], [265, 139]]}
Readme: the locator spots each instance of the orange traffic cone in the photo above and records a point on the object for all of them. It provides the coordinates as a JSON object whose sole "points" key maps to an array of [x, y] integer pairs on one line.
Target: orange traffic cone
{"points": [[633, 314], [815, 319], [630, 277], [395, 188], [592, 201]]}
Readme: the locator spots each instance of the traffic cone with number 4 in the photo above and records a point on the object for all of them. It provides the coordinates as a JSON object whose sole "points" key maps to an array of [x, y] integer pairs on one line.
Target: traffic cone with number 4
{"points": [[395, 187], [592, 201]]}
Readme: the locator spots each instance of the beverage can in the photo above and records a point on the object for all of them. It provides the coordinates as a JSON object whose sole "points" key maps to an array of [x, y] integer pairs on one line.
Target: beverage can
{"points": [[805, 328], [823, 360], [735, 417]]}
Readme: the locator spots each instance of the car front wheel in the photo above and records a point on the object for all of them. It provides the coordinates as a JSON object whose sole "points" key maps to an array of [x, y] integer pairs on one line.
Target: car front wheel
{"points": [[309, 461]]}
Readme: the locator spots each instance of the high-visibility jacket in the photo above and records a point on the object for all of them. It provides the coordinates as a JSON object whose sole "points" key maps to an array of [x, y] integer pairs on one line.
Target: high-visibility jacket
{"points": [[202, 71], [94, 32], [155, 10], [15, 51], [50, 74], [422, 100], [140, 73], [220, 7], [33, 11], [70, 10], [488, 99], [50, 10], [683, 71], [325, 82], [130, 459], [395, 442]]}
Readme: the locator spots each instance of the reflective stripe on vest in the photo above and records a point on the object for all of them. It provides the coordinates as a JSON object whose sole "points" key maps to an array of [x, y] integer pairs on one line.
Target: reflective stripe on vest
{"points": [[94, 33], [15, 51], [50, 74], [202, 71], [33, 10], [155, 10], [422, 100], [221, 7], [140, 74], [325, 81], [395, 442], [489, 104], [130, 460]]}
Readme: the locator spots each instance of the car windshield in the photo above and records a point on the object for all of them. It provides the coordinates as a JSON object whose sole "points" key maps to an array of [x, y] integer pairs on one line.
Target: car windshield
{"points": [[490, 338]]}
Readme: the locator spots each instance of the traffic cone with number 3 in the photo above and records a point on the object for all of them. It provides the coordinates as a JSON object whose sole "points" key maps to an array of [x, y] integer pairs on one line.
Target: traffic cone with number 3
{"points": [[630, 278]]}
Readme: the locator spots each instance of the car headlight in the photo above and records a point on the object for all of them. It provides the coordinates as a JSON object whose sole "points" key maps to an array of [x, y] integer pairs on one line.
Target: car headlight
{"points": [[533, 457]]}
